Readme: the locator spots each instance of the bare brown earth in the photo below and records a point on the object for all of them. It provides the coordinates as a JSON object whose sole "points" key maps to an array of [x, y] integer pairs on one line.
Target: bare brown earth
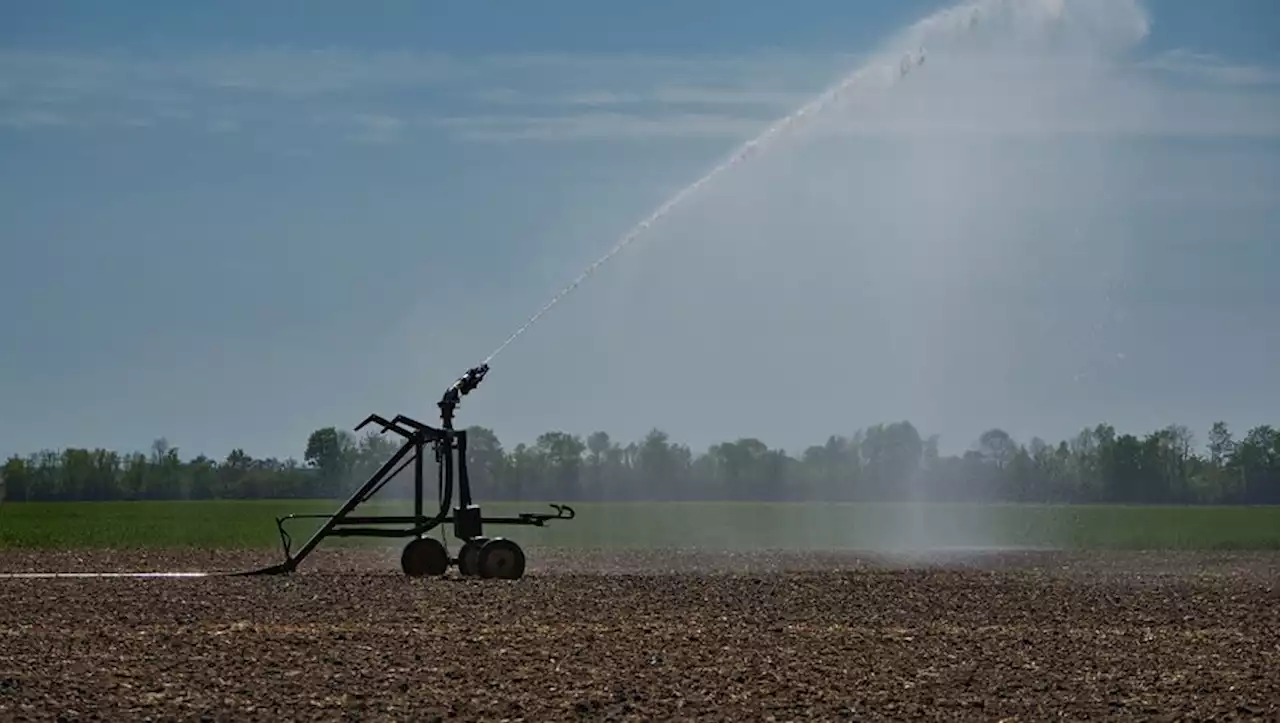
{"points": [[646, 636]]}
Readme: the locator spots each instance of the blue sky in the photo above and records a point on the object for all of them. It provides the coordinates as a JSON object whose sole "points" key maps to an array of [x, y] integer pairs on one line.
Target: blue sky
{"points": [[231, 224]]}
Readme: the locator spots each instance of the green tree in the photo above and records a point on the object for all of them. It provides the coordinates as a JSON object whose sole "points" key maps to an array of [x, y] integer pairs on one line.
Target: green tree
{"points": [[486, 462], [333, 454], [16, 478], [599, 462], [887, 461], [562, 455]]}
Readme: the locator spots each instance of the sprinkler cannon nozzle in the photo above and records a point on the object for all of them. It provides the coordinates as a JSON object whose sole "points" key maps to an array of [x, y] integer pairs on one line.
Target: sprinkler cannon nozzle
{"points": [[471, 379], [458, 389], [465, 383]]}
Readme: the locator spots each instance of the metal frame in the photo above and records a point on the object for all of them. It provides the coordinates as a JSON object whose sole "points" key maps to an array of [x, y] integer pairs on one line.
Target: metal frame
{"points": [[450, 447]]}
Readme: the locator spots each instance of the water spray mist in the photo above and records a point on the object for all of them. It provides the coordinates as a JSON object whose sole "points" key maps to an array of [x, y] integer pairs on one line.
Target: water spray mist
{"points": [[888, 70], [891, 72]]}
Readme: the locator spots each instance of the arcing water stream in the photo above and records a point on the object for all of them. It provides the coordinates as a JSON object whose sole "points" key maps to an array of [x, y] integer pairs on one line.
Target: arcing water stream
{"points": [[888, 68], [743, 152]]}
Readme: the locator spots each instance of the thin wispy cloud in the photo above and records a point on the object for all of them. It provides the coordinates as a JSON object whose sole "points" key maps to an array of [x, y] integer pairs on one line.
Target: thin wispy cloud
{"points": [[646, 95], [1212, 69], [598, 125], [224, 126], [23, 118], [1176, 94], [385, 97], [376, 128]]}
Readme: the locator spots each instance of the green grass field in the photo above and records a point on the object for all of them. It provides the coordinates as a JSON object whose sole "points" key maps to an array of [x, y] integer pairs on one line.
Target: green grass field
{"points": [[717, 525]]}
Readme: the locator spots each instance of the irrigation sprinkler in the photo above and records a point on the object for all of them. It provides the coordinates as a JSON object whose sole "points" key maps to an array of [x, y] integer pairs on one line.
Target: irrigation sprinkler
{"points": [[478, 556], [500, 557]]}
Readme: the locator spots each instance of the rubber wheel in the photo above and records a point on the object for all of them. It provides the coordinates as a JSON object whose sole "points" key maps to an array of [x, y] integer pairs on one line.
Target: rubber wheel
{"points": [[469, 556], [501, 559], [424, 556]]}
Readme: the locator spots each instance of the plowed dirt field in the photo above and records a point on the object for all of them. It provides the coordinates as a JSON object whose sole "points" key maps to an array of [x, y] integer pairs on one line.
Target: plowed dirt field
{"points": [[646, 636]]}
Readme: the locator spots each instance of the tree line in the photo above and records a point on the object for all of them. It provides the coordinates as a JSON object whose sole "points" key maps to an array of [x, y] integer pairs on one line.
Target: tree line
{"points": [[886, 462]]}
